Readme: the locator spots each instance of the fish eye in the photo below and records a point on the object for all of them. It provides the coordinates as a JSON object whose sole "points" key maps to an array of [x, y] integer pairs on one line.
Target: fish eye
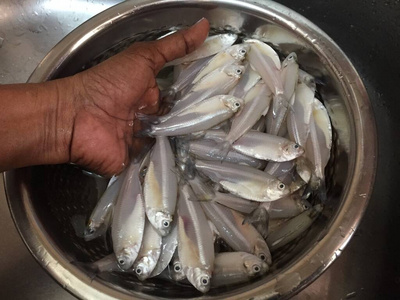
{"points": [[243, 51], [143, 172], [262, 256], [90, 230], [238, 71], [121, 262], [204, 280], [165, 224], [237, 104], [296, 146], [281, 186], [256, 268], [177, 268], [305, 206], [138, 271]]}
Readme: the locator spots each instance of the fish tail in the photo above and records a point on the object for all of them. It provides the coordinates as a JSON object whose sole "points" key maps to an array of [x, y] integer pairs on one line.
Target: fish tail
{"points": [[224, 150], [167, 93], [169, 96]]}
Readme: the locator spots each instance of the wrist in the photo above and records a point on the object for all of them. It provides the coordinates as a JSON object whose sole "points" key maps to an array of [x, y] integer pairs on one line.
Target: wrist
{"points": [[36, 123], [58, 98]]}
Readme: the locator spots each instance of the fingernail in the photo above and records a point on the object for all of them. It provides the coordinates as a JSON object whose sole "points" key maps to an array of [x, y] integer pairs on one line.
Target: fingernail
{"points": [[200, 20]]}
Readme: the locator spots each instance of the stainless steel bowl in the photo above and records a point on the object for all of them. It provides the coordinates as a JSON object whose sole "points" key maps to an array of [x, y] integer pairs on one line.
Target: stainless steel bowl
{"points": [[44, 199]]}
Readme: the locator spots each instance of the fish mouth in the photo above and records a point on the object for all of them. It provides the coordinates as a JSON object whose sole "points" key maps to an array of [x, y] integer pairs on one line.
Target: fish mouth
{"points": [[127, 257], [200, 279], [161, 221]]}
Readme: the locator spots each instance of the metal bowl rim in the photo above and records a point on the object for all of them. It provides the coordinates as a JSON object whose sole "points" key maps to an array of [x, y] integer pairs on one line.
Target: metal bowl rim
{"points": [[357, 195]]}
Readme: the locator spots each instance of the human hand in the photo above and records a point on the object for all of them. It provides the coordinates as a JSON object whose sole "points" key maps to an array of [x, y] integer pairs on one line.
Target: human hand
{"points": [[108, 95]]}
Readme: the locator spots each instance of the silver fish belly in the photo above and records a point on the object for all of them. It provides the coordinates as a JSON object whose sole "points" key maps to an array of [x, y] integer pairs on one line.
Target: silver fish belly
{"points": [[161, 186]]}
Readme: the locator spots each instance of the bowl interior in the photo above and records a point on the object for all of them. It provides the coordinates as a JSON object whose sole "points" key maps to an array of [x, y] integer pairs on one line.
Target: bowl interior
{"points": [[61, 196]]}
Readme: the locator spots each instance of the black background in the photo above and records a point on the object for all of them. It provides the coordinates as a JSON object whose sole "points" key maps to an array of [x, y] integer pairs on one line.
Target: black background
{"points": [[369, 33]]}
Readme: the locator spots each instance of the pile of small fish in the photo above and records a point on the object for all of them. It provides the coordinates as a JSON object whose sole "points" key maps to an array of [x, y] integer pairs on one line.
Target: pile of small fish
{"points": [[243, 146]]}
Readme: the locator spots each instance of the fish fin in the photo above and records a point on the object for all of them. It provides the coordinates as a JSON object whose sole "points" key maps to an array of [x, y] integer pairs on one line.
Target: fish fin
{"points": [[168, 94], [260, 214], [147, 118], [226, 147], [222, 150]]}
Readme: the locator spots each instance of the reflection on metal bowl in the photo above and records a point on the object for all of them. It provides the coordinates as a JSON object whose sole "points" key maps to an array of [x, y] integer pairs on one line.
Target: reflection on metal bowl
{"points": [[45, 199]]}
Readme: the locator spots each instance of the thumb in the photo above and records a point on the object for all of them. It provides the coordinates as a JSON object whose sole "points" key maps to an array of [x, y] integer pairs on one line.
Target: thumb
{"points": [[173, 46]]}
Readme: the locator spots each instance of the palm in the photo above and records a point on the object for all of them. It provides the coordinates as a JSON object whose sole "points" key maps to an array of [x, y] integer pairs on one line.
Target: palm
{"points": [[111, 94]]}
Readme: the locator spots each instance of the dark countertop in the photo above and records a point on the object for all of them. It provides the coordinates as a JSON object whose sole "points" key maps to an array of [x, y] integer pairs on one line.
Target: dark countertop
{"points": [[367, 31]]}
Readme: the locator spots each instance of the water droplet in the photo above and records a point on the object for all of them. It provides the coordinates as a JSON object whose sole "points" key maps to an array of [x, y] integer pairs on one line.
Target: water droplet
{"points": [[130, 124], [351, 295]]}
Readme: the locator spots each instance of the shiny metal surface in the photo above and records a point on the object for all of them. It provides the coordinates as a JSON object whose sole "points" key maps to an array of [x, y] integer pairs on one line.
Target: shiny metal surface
{"points": [[342, 85], [29, 29]]}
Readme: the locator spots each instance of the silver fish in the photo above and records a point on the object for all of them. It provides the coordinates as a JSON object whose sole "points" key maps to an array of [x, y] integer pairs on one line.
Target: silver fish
{"points": [[243, 181], [290, 74], [265, 63], [300, 115], [235, 232], [261, 145], [161, 186], [236, 267], [247, 81], [268, 147], [218, 82], [287, 207], [202, 116], [319, 143], [241, 205], [211, 45], [257, 102], [293, 228], [128, 219], [195, 248], [97, 224], [279, 36], [266, 50], [149, 252], [206, 149], [169, 245], [235, 53], [186, 76]]}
